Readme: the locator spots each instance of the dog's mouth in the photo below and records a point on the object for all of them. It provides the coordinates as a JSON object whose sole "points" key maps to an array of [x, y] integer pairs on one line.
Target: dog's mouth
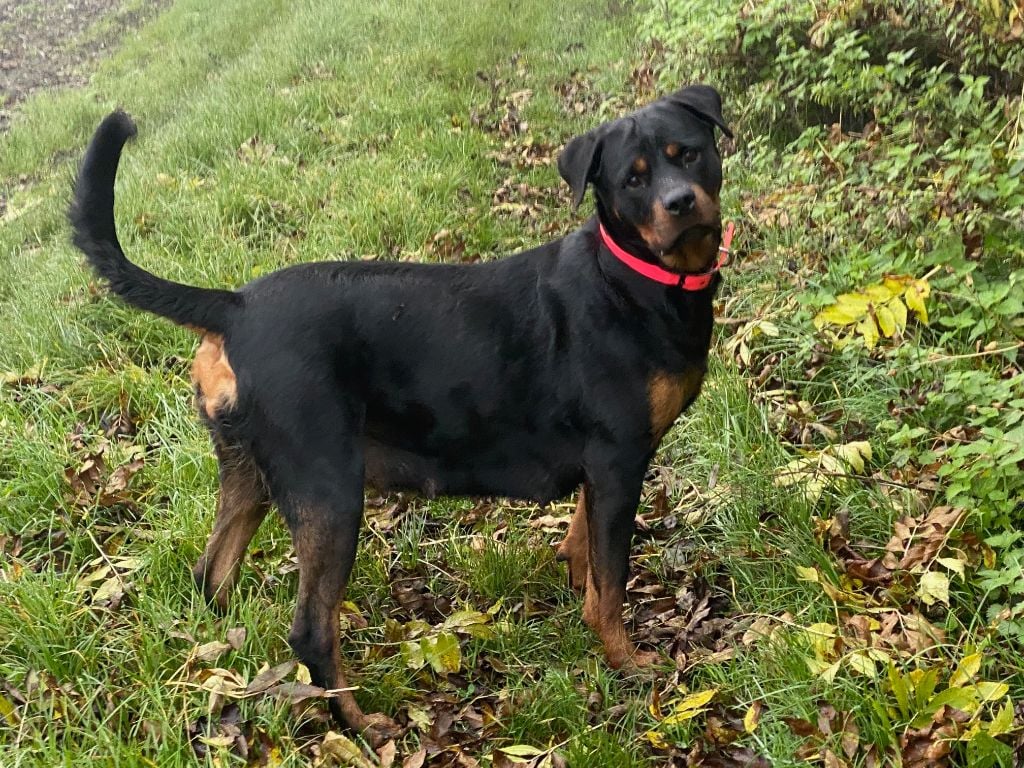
{"points": [[694, 249]]}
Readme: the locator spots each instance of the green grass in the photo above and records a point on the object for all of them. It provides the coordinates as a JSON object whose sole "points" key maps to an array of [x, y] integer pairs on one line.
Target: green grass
{"points": [[273, 133]]}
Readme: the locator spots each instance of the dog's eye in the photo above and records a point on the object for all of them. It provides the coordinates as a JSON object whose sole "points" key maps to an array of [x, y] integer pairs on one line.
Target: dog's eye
{"points": [[691, 156], [634, 181]]}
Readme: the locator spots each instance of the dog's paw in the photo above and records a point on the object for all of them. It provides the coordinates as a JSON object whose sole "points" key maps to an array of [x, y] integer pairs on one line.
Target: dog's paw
{"points": [[641, 660], [216, 598], [378, 729], [634, 660]]}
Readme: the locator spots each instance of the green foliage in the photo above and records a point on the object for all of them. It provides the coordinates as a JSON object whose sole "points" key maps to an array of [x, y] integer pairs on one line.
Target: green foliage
{"points": [[882, 145], [895, 147]]}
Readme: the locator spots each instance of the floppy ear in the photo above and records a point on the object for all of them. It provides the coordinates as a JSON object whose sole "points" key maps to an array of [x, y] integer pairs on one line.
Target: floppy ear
{"points": [[704, 102], [578, 164]]}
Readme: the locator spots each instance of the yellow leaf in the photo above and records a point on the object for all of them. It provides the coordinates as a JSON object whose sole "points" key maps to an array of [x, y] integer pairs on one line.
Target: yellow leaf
{"points": [[340, 750], [855, 454], [896, 283], [899, 312], [690, 706], [9, 714], [753, 717], [886, 320], [824, 670], [848, 309], [862, 663], [807, 574], [991, 691], [829, 464], [869, 331], [934, 588], [217, 741], [822, 638], [521, 751], [966, 670], [1003, 721], [879, 655], [915, 296], [954, 564], [656, 738], [882, 292]]}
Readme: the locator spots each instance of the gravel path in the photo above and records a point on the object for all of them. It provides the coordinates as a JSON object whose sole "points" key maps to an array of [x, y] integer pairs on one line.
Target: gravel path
{"points": [[48, 43]]}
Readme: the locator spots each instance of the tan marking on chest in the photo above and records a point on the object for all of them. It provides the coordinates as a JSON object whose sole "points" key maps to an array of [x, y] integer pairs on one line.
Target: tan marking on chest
{"points": [[668, 394], [213, 376]]}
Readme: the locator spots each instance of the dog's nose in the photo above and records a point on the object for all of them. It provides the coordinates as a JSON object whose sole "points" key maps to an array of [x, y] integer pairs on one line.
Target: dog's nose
{"points": [[679, 201]]}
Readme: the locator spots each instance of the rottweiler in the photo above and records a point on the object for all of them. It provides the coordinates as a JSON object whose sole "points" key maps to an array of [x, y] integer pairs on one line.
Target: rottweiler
{"points": [[527, 377]]}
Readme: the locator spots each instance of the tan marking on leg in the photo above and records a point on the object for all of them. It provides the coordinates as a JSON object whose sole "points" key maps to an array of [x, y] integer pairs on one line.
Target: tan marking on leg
{"points": [[213, 376], [603, 614], [241, 506], [574, 549], [667, 394]]}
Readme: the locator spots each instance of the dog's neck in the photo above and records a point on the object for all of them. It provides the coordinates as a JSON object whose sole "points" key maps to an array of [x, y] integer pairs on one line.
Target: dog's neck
{"points": [[629, 249]]}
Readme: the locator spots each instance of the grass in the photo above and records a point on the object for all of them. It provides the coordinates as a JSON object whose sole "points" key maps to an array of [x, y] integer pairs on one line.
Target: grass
{"points": [[272, 133]]}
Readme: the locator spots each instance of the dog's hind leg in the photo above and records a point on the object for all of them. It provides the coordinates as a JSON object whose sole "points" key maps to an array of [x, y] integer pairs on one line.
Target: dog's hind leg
{"points": [[574, 550], [242, 504]]}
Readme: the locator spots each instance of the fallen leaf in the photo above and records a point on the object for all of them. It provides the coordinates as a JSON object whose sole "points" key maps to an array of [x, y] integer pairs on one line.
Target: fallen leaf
{"points": [[236, 637], [210, 651], [336, 749], [934, 588], [753, 717], [270, 677], [416, 759]]}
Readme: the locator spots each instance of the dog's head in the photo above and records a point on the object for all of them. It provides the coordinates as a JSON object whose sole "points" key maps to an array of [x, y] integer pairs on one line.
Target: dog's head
{"points": [[656, 175]]}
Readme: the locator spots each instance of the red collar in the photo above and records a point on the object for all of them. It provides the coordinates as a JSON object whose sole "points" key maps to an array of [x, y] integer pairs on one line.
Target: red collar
{"points": [[687, 282]]}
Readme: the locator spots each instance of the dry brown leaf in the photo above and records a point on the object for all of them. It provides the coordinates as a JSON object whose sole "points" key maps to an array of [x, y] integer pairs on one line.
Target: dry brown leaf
{"points": [[386, 754], [236, 637], [210, 651], [270, 677]]}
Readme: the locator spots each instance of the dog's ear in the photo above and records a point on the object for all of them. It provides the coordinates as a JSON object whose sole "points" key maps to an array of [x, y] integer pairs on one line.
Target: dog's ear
{"points": [[578, 163], [704, 102]]}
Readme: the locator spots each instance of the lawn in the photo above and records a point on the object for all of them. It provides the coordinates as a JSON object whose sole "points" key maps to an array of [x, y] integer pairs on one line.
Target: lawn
{"points": [[828, 548]]}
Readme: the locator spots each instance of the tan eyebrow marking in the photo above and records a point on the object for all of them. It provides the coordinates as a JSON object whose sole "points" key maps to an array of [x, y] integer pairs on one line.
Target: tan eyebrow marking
{"points": [[672, 150], [640, 165]]}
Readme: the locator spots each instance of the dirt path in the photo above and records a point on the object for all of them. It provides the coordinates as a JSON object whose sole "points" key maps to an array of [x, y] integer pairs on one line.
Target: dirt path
{"points": [[51, 43]]}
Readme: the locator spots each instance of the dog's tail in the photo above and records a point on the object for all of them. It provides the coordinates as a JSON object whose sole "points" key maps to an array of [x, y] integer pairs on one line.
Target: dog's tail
{"points": [[92, 218]]}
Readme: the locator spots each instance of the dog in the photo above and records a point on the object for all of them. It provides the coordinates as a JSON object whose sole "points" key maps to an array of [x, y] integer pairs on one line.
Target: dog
{"points": [[528, 376]]}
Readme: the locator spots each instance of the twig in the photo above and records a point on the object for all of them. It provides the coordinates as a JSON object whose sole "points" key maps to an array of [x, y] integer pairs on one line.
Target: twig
{"points": [[984, 353], [864, 478]]}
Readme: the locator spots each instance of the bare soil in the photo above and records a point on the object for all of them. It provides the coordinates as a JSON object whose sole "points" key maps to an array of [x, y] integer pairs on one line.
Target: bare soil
{"points": [[53, 43]]}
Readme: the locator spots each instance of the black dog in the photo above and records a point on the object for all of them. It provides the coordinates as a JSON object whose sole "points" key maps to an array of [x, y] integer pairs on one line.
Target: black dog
{"points": [[525, 377]]}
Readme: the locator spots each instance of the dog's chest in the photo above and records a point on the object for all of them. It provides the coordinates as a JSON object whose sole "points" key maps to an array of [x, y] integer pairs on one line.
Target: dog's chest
{"points": [[668, 395]]}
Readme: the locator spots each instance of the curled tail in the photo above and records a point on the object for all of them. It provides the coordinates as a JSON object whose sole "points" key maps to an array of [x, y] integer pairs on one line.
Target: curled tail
{"points": [[92, 219]]}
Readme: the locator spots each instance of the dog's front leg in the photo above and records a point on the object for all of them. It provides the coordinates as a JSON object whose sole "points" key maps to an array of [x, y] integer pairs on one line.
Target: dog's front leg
{"points": [[321, 500], [324, 533], [613, 492]]}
